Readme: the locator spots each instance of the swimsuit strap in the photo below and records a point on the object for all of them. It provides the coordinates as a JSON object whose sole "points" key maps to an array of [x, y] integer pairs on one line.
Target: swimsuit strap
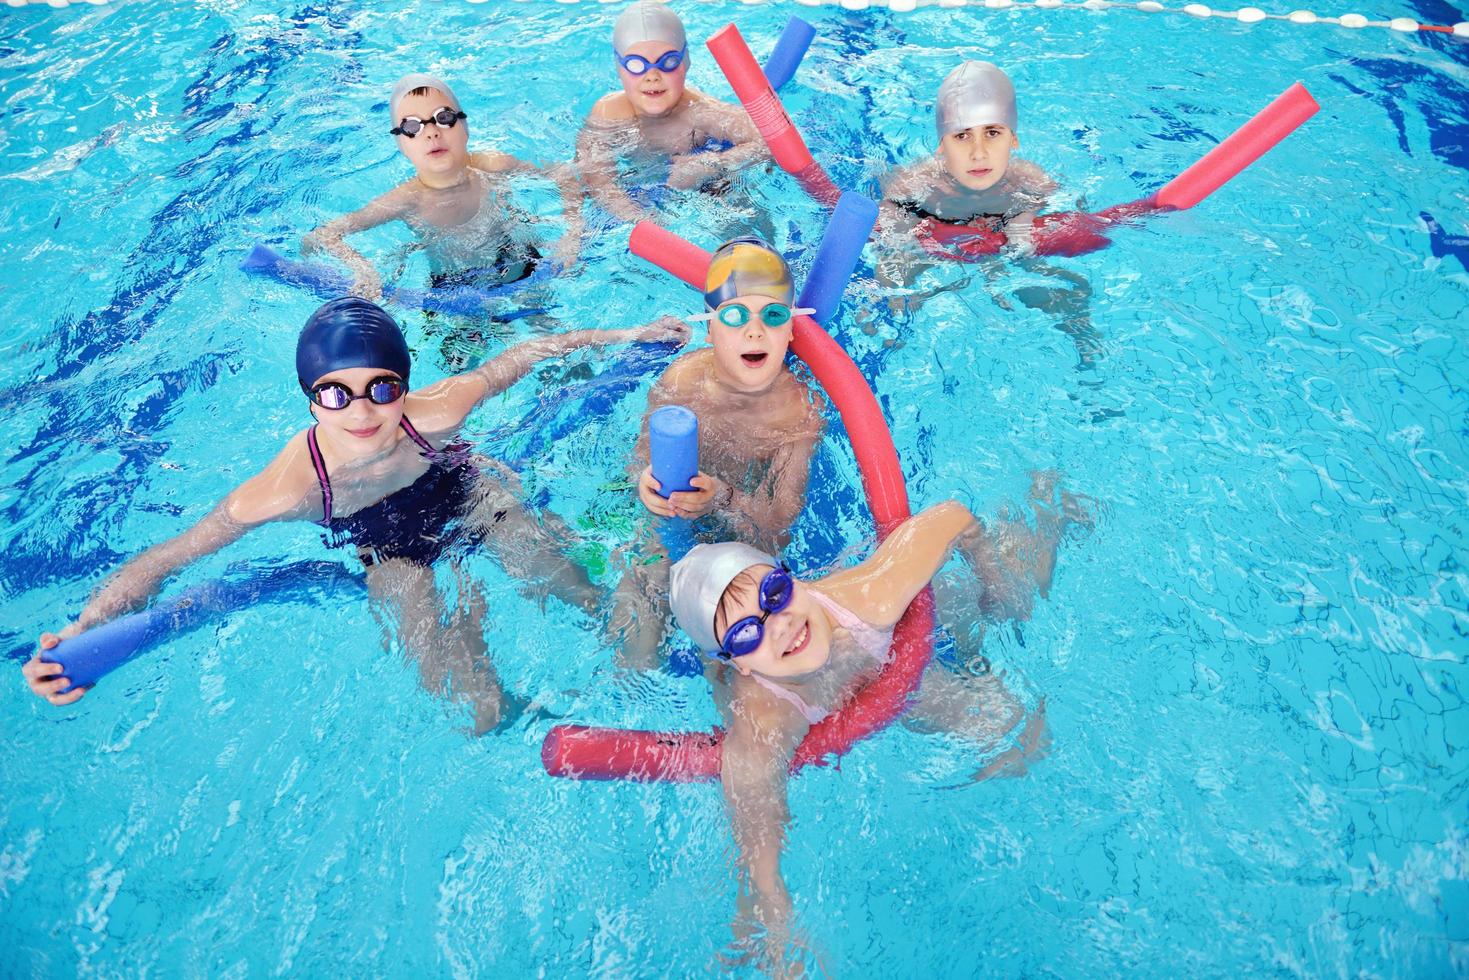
{"points": [[413, 434], [874, 641], [811, 714], [321, 477]]}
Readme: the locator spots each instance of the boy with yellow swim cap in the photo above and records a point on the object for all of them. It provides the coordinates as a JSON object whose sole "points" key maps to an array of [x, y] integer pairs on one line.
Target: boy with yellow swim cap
{"points": [[758, 424], [656, 117]]}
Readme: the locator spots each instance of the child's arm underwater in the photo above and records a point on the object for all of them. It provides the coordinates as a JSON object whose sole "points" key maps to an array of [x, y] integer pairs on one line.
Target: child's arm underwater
{"points": [[445, 404], [271, 495], [331, 237], [762, 738], [596, 160], [718, 121], [881, 588], [563, 176]]}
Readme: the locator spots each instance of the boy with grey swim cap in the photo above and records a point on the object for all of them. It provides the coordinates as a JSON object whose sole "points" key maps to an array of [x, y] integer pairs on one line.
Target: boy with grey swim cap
{"points": [[457, 203], [657, 117], [972, 176]]}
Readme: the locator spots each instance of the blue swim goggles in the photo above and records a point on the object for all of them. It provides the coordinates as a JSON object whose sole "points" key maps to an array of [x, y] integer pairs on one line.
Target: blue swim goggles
{"points": [[736, 315], [636, 64], [776, 590]]}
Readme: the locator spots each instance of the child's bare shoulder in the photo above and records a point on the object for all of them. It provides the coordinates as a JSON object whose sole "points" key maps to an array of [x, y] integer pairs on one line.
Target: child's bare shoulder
{"points": [[689, 372], [614, 107], [278, 491], [910, 182]]}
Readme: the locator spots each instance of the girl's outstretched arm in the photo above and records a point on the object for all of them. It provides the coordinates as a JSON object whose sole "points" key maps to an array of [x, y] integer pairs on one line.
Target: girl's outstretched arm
{"points": [[272, 495], [445, 404], [758, 747], [881, 588]]}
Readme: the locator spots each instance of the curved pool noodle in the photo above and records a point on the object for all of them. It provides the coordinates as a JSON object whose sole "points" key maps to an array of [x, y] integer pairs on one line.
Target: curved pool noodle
{"points": [[584, 752], [89, 656], [753, 90], [836, 259], [789, 49], [673, 449], [1073, 233], [330, 283]]}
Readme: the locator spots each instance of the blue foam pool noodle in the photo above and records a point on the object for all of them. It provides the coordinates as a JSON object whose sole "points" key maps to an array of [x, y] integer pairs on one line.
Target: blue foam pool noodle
{"points": [[673, 448], [330, 283], [789, 49], [92, 655], [841, 248]]}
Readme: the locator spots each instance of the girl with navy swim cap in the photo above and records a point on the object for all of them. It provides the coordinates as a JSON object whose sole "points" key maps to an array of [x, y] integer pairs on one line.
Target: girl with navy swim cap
{"points": [[381, 471]]}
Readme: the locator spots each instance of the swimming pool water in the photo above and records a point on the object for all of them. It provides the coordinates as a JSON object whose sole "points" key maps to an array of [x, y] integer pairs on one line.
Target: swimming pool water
{"points": [[1253, 665]]}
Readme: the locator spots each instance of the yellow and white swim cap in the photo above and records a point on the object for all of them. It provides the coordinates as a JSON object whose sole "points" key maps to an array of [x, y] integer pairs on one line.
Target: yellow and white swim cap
{"points": [[747, 267]]}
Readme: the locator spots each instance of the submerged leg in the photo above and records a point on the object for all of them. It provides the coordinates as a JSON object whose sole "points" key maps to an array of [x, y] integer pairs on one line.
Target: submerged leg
{"points": [[446, 642], [531, 548], [1069, 301]]}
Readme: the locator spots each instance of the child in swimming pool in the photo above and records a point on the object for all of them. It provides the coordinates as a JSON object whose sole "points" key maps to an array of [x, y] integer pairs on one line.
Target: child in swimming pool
{"points": [[657, 118], [759, 425], [790, 652], [457, 204], [392, 487], [972, 177]]}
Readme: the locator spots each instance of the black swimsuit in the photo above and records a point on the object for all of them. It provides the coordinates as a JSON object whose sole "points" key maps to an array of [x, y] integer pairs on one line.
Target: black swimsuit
{"points": [[411, 523], [995, 221]]}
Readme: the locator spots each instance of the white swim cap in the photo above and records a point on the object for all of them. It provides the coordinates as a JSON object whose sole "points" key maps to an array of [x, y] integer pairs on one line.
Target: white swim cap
{"points": [[698, 582], [975, 94], [647, 21], [408, 83]]}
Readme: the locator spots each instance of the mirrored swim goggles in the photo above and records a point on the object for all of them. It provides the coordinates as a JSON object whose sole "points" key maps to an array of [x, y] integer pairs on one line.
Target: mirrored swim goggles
{"points": [[738, 314], [335, 396], [776, 591], [444, 118], [636, 64]]}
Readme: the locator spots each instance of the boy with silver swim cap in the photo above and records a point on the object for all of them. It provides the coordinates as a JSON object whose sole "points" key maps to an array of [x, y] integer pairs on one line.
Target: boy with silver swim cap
{"points": [[657, 117], [972, 177], [458, 202], [758, 428]]}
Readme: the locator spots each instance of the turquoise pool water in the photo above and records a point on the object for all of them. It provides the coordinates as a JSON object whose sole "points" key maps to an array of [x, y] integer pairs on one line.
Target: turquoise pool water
{"points": [[1254, 665]]}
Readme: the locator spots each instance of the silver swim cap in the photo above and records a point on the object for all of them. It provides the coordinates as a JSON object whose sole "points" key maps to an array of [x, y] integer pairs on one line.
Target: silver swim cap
{"points": [[698, 582], [408, 83], [647, 21], [975, 94]]}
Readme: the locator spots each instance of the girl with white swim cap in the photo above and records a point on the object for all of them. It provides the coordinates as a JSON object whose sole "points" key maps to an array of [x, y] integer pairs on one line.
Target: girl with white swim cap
{"points": [[792, 651], [381, 471], [656, 117]]}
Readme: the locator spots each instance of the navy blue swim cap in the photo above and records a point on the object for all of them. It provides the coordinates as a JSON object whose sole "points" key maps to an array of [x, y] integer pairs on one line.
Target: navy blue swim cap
{"points": [[350, 333]]}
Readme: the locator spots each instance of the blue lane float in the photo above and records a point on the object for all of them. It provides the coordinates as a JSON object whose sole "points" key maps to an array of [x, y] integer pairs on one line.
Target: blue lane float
{"points": [[790, 49]]}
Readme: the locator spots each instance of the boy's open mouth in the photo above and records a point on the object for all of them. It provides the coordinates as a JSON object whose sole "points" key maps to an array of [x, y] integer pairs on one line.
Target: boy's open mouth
{"points": [[654, 93], [754, 358], [802, 638]]}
